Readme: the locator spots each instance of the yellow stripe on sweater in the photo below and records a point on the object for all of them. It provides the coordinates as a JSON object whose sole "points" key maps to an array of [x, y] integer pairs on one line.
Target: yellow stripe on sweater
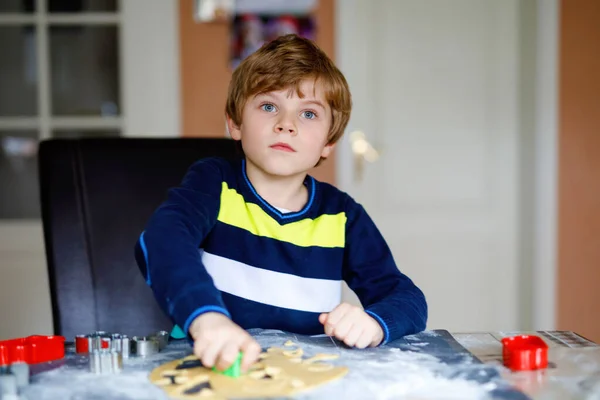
{"points": [[324, 231]]}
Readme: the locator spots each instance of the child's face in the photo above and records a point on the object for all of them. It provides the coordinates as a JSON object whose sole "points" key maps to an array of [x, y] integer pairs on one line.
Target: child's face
{"points": [[283, 134]]}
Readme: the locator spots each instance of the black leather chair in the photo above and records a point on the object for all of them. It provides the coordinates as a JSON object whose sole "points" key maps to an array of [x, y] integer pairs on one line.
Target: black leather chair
{"points": [[96, 196]]}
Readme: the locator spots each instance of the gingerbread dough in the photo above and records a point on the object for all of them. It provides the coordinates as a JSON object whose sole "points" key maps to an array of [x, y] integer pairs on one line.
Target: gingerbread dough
{"points": [[279, 372]]}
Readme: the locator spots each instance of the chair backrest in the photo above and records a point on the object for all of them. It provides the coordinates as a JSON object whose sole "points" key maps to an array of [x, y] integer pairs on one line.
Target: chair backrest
{"points": [[96, 196]]}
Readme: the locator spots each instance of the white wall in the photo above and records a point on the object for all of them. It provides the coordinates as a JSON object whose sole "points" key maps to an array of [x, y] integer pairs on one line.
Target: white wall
{"points": [[150, 65], [24, 292]]}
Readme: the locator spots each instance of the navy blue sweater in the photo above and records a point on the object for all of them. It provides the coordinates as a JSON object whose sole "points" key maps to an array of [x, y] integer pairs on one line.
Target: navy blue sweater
{"points": [[216, 245]]}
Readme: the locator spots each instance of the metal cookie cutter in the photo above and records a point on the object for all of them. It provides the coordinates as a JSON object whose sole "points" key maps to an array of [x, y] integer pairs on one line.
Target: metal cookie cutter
{"points": [[100, 340], [163, 339], [144, 346], [121, 344], [105, 361], [8, 386], [21, 372], [106, 350], [125, 346]]}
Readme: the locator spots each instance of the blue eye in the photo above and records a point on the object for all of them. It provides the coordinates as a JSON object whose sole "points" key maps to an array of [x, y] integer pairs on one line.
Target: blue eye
{"points": [[268, 107], [309, 115]]}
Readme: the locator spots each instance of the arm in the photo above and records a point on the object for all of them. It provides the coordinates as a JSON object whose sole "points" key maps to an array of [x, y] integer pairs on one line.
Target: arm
{"points": [[167, 252], [387, 295]]}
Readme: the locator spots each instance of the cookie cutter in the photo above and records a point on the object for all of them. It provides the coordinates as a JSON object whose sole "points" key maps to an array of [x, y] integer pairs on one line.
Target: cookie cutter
{"points": [[101, 340], [234, 369], [524, 352], [8, 386], [107, 350], [144, 346], [105, 361], [21, 372], [163, 339], [32, 349]]}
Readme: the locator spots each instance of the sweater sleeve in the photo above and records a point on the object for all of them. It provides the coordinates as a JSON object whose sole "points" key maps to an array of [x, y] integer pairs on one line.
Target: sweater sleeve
{"points": [[388, 295], [168, 254]]}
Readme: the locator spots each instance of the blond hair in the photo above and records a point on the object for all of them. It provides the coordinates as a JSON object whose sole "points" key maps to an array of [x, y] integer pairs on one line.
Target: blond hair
{"points": [[284, 63]]}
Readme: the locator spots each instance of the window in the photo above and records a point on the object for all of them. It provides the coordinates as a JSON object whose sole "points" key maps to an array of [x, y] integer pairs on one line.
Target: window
{"points": [[60, 77]]}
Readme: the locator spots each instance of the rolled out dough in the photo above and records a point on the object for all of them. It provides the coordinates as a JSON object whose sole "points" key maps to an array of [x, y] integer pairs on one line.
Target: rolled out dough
{"points": [[279, 372]]}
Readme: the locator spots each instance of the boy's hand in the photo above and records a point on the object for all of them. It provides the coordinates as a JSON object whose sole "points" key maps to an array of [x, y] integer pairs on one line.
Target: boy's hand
{"points": [[353, 326], [218, 341]]}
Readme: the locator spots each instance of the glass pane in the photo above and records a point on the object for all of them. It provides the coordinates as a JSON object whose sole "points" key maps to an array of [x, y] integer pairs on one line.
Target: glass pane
{"points": [[18, 71], [68, 6], [84, 133], [17, 6], [84, 70], [19, 192]]}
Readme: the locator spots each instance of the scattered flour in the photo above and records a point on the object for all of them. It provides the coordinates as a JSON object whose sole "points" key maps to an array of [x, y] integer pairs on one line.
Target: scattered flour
{"points": [[374, 374], [424, 333], [399, 374], [65, 383], [420, 344]]}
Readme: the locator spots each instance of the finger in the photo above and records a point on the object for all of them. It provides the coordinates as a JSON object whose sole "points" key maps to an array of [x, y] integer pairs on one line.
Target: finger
{"points": [[353, 336], [342, 328], [209, 357], [200, 347], [363, 341], [333, 321], [251, 351], [323, 318], [337, 314], [328, 329], [228, 355]]}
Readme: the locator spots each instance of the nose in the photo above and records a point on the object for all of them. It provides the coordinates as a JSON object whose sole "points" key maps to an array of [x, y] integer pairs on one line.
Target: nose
{"points": [[285, 125]]}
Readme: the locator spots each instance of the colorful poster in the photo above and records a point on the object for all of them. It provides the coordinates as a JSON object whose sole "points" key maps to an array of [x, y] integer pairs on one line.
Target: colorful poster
{"points": [[251, 30]]}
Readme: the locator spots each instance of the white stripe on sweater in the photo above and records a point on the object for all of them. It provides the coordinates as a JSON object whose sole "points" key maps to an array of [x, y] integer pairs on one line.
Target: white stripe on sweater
{"points": [[271, 287]]}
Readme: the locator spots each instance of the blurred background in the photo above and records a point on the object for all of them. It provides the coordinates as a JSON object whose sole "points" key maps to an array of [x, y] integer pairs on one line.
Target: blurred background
{"points": [[474, 141]]}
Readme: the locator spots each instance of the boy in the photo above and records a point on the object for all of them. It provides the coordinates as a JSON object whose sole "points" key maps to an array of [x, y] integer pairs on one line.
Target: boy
{"points": [[260, 244]]}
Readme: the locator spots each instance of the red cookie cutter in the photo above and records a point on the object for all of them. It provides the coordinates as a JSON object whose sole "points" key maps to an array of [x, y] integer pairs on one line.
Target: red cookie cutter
{"points": [[32, 349], [524, 352]]}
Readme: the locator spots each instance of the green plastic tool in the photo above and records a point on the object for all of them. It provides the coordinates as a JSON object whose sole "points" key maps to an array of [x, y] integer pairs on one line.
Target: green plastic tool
{"points": [[234, 370]]}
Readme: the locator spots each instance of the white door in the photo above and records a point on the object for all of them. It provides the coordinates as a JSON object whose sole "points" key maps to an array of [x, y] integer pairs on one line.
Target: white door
{"points": [[435, 92], [126, 57]]}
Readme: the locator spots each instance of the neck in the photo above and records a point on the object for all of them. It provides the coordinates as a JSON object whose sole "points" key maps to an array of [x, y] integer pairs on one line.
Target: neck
{"points": [[286, 192]]}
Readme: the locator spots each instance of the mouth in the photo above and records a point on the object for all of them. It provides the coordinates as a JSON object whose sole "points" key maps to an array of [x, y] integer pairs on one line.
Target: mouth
{"points": [[283, 147]]}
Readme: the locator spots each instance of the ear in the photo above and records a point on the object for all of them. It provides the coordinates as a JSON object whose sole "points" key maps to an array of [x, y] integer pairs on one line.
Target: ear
{"points": [[234, 130], [327, 150]]}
